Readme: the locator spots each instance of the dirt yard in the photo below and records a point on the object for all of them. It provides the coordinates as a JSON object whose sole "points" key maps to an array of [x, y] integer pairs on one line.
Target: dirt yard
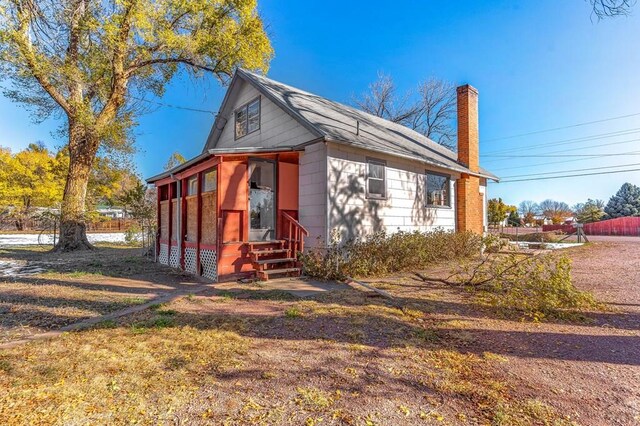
{"points": [[42, 291], [260, 355]]}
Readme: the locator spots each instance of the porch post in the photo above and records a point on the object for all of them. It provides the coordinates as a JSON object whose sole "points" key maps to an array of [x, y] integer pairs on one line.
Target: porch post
{"points": [[158, 222], [198, 222], [183, 220], [170, 227]]}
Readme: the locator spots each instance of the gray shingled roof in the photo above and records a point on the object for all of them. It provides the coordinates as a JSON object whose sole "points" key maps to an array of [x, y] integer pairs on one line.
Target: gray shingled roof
{"points": [[344, 124]]}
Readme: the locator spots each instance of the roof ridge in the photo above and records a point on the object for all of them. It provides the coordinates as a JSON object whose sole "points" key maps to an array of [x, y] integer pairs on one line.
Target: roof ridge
{"points": [[359, 111]]}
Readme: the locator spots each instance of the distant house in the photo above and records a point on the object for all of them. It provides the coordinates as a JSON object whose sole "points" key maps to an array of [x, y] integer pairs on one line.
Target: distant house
{"points": [[281, 164], [111, 212]]}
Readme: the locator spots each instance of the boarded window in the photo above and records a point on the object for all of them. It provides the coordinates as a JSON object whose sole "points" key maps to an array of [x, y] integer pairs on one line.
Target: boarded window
{"points": [[192, 185], [247, 118], [437, 187], [209, 181], [376, 179]]}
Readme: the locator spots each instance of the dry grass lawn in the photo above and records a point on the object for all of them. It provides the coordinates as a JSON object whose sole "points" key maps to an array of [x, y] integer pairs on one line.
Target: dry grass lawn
{"points": [[256, 356], [70, 288]]}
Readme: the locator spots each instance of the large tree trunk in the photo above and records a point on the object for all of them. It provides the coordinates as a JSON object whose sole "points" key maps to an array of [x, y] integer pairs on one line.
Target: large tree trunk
{"points": [[73, 229]]}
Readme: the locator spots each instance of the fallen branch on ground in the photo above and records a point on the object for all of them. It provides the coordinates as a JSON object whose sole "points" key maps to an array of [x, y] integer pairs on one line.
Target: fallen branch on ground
{"points": [[370, 287], [479, 268]]}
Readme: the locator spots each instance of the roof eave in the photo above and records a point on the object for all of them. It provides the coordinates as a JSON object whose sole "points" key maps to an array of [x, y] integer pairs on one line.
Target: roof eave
{"points": [[460, 169]]}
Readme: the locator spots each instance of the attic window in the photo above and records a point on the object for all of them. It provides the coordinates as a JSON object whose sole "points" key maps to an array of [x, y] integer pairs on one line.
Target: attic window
{"points": [[247, 118]]}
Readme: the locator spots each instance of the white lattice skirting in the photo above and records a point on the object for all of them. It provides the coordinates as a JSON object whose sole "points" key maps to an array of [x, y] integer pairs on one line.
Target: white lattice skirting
{"points": [[209, 264], [190, 260], [174, 257], [163, 256]]}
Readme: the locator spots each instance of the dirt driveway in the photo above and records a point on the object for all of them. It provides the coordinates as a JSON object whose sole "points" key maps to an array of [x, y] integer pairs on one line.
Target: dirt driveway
{"points": [[589, 371]]}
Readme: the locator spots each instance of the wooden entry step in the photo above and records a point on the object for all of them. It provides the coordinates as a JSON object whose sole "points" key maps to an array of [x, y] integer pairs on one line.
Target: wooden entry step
{"points": [[277, 260], [267, 252], [271, 258], [268, 273]]}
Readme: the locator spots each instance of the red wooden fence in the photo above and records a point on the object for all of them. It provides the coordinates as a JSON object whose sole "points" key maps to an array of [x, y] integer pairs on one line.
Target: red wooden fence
{"points": [[626, 226]]}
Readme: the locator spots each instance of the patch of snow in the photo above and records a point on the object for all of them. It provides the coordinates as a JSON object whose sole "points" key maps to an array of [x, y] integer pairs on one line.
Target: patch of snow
{"points": [[47, 239]]}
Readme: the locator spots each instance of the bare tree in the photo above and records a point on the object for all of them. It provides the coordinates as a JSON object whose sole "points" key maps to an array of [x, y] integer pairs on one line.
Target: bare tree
{"points": [[436, 111], [528, 210], [382, 101], [429, 111], [610, 8]]}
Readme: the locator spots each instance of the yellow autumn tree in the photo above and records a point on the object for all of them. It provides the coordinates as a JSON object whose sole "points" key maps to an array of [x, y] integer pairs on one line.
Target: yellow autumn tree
{"points": [[91, 61], [28, 180]]}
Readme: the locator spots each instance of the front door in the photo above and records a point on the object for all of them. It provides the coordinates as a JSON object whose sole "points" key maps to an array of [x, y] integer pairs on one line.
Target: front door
{"points": [[262, 199]]}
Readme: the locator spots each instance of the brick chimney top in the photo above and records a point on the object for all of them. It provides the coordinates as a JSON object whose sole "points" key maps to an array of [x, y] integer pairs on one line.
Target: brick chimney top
{"points": [[468, 139]]}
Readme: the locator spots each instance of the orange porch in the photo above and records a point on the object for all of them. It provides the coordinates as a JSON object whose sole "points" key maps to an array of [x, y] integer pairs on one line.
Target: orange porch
{"points": [[231, 216]]}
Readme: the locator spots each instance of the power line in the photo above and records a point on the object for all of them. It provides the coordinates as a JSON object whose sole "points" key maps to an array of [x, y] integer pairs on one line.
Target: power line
{"points": [[563, 151], [570, 176], [537, 132], [568, 141], [567, 155], [174, 106], [575, 170], [528, 166]]}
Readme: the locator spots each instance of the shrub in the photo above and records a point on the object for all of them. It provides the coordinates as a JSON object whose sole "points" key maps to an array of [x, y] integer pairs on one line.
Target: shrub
{"points": [[383, 253], [535, 237], [133, 235]]}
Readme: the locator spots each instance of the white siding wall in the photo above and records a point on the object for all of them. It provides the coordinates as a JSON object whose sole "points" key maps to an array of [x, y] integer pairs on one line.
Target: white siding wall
{"points": [[485, 219], [404, 209], [313, 192], [277, 128]]}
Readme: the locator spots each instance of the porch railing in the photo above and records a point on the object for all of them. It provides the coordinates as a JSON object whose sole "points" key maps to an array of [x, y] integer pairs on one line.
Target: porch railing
{"points": [[294, 234]]}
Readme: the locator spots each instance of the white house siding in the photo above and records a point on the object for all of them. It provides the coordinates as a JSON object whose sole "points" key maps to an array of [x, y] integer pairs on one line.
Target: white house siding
{"points": [[485, 219], [312, 199], [404, 209], [277, 128]]}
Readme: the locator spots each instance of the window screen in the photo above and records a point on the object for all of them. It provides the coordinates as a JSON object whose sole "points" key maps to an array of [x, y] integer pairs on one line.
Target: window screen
{"points": [[376, 182], [209, 181], [192, 185]]}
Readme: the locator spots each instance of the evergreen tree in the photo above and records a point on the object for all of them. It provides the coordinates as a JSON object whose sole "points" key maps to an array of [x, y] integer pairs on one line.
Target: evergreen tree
{"points": [[591, 211], [514, 218], [626, 202]]}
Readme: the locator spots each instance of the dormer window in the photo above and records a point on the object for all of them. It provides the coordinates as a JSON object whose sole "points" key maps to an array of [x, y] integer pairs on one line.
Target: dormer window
{"points": [[247, 118]]}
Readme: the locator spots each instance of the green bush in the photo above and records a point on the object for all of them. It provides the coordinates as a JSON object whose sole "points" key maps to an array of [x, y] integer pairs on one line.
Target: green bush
{"points": [[133, 235], [383, 253]]}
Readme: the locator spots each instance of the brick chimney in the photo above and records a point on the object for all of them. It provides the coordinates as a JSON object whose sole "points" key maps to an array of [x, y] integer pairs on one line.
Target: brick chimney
{"points": [[469, 201]]}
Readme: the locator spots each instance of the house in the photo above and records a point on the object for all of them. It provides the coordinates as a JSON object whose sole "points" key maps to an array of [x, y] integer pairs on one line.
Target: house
{"points": [[281, 164]]}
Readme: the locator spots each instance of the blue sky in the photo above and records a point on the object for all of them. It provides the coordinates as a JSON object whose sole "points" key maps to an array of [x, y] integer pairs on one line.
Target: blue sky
{"points": [[537, 65]]}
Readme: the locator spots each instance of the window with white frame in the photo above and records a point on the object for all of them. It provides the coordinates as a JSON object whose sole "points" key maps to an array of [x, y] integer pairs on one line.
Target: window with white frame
{"points": [[247, 118], [192, 185], [437, 188], [376, 179]]}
